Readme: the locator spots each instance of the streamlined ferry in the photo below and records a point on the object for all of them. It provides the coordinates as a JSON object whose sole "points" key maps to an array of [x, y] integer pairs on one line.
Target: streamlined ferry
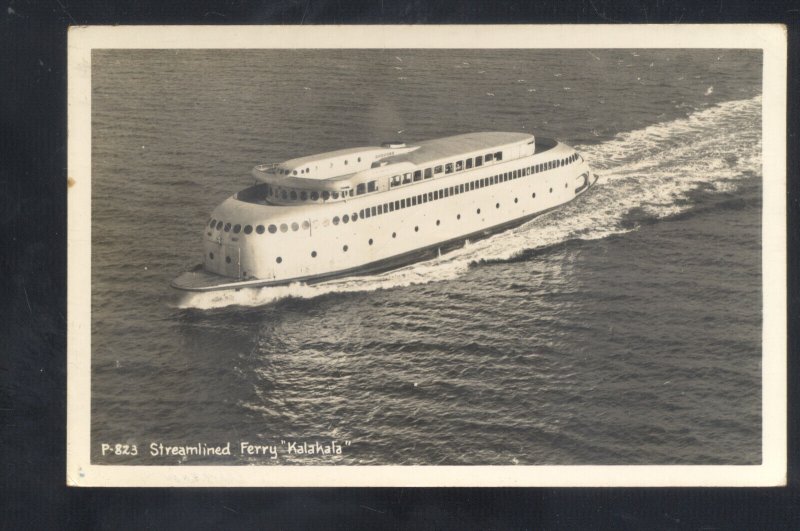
{"points": [[370, 209]]}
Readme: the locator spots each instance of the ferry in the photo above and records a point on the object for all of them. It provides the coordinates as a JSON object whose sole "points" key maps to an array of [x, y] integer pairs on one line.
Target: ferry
{"points": [[366, 210]]}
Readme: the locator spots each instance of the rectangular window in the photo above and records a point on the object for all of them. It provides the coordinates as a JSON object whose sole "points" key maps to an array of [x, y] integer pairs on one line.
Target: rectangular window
{"points": [[478, 161], [428, 173], [391, 207], [374, 211], [437, 169], [430, 196], [424, 198], [380, 209], [498, 155], [365, 214], [488, 157], [516, 174], [448, 168], [407, 178], [396, 179], [436, 195], [446, 192], [459, 165], [402, 203], [469, 164], [361, 189], [361, 213], [472, 185], [461, 189], [496, 179], [372, 186], [414, 201], [417, 175]]}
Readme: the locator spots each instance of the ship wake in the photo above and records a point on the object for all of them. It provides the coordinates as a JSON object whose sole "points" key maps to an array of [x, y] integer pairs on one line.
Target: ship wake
{"points": [[652, 172]]}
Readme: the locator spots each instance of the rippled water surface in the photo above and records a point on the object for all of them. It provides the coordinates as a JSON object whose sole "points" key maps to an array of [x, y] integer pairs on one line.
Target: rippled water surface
{"points": [[624, 328]]}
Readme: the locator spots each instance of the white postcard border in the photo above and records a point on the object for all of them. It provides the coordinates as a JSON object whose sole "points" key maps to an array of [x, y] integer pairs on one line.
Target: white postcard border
{"points": [[772, 39]]}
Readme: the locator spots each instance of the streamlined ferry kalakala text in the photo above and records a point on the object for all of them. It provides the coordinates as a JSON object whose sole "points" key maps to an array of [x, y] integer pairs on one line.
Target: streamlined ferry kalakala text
{"points": [[370, 209]]}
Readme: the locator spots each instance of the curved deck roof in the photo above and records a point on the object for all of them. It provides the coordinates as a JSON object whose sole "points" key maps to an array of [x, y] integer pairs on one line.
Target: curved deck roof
{"points": [[451, 146]]}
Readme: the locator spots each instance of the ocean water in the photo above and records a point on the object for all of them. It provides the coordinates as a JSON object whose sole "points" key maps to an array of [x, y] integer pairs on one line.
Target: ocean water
{"points": [[624, 328]]}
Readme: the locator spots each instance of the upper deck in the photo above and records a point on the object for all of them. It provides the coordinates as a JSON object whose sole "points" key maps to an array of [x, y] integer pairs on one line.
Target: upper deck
{"points": [[336, 175]]}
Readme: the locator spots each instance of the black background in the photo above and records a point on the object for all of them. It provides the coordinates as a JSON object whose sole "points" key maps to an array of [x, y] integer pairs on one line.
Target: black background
{"points": [[33, 92]]}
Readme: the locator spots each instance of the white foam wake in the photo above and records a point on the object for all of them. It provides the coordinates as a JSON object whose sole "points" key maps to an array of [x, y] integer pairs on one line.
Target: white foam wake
{"points": [[652, 169]]}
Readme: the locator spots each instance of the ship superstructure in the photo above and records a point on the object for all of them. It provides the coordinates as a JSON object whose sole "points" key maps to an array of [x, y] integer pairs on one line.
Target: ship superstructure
{"points": [[368, 209]]}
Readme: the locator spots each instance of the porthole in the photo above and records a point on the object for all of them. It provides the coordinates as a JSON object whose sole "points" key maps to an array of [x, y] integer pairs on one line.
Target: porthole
{"points": [[260, 229], [533, 195], [497, 205], [227, 227], [295, 226], [438, 222], [306, 224], [237, 228], [284, 227], [313, 254], [335, 220], [303, 196], [272, 229], [335, 195], [279, 259], [219, 225], [416, 229], [345, 218], [458, 216], [212, 223], [394, 235], [248, 229], [344, 248], [516, 200], [566, 185], [479, 211], [326, 196], [355, 216], [211, 255], [551, 190], [370, 241], [314, 196], [227, 259], [359, 159]]}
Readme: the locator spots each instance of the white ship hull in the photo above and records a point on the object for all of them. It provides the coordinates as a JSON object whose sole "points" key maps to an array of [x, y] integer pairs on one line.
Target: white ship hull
{"points": [[307, 246]]}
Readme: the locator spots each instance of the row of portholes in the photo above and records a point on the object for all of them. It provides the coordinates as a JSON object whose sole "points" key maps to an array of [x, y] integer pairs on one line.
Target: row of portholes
{"points": [[248, 229], [345, 248], [283, 227]]}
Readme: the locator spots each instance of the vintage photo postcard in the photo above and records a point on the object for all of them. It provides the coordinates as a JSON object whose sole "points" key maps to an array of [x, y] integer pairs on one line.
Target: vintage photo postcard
{"points": [[427, 256]]}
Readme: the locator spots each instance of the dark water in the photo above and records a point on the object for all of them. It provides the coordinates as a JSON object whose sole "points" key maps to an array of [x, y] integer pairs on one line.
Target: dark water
{"points": [[624, 328]]}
